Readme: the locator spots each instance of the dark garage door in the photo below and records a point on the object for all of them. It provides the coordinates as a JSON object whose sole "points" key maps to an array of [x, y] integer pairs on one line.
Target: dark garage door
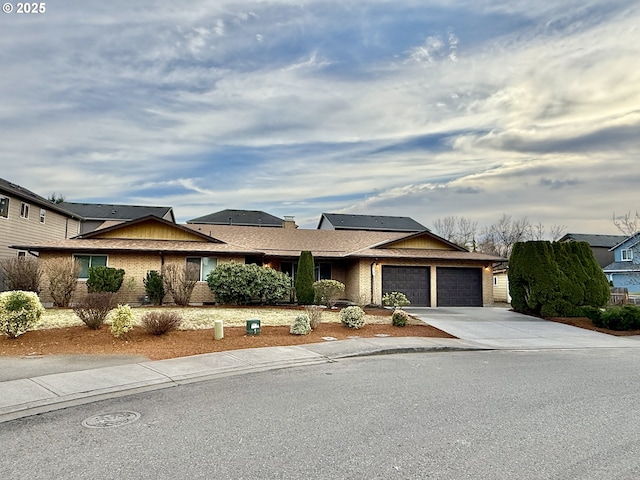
{"points": [[459, 287], [412, 281]]}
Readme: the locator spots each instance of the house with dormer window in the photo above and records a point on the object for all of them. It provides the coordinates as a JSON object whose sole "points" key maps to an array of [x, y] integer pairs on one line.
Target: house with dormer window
{"points": [[624, 272]]}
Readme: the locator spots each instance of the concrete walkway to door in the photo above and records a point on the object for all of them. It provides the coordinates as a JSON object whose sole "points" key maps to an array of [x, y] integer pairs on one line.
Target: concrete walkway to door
{"points": [[499, 327]]}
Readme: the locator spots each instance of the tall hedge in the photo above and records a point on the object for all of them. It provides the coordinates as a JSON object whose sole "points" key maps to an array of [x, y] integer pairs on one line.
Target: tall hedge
{"points": [[305, 276], [554, 279]]}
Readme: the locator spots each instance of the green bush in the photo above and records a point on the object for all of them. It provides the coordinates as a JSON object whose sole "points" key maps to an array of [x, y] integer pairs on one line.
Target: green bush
{"points": [[19, 312], [399, 318], [352, 317], [301, 325], [305, 276], [626, 317], [395, 299], [159, 323], [240, 284], [555, 279], [327, 292], [154, 287], [94, 308], [104, 279], [121, 320], [592, 313]]}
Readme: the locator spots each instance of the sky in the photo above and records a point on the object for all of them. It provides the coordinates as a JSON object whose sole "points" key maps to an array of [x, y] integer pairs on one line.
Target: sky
{"points": [[419, 108]]}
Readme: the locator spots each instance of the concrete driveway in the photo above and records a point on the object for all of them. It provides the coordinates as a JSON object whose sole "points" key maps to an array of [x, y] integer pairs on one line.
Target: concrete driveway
{"points": [[498, 327]]}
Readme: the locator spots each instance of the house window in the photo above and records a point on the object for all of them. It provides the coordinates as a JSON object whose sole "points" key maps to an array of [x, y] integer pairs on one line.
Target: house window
{"points": [[24, 210], [205, 265], [43, 213], [4, 207], [626, 255], [323, 271], [88, 261]]}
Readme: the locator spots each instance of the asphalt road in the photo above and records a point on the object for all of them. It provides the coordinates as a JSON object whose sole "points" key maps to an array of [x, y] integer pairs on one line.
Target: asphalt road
{"points": [[556, 414]]}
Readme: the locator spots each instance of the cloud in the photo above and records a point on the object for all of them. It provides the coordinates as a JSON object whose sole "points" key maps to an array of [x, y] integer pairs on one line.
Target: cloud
{"points": [[430, 108]]}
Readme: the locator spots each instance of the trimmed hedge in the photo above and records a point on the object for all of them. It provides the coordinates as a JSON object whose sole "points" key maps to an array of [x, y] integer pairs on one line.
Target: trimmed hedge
{"points": [[555, 279]]}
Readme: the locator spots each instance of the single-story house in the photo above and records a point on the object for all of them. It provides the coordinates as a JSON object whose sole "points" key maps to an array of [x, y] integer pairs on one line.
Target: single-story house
{"points": [[430, 270], [624, 271], [501, 283]]}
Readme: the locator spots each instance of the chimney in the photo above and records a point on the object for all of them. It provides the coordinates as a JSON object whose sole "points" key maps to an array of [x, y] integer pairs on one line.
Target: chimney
{"points": [[289, 222]]}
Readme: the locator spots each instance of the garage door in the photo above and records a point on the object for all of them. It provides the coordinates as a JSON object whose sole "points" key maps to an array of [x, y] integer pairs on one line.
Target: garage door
{"points": [[412, 281], [459, 287]]}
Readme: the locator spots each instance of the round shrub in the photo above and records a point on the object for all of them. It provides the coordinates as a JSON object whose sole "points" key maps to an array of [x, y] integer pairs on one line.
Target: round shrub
{"points": [[327, 292], [301, 325], [395, 299], [352, 317], [159, 323], [121, 320], [19, 312], [399, 318]]}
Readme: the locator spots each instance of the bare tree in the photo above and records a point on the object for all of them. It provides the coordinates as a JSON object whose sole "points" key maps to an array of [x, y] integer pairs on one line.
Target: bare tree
{"points": [[22, 273], [557, 232], [538, 232], [499, 238], [180, 280], [62, 275], [627, 224], [459, 230]]}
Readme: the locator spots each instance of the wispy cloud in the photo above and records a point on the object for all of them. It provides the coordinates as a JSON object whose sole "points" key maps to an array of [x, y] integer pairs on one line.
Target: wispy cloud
{"points": [[423, 108]]}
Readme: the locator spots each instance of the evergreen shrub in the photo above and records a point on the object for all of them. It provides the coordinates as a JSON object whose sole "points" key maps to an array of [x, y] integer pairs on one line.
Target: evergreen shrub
{"points": [[154, 287], [555, 279], [352, 317], [395, 299], [305, 277], [19, 312], [399, 318], [301, 325], [239, 284], [104, 279]]}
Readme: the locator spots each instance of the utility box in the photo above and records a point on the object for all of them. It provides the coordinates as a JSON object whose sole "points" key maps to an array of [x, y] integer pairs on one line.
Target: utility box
{"points": [[253, 327]]}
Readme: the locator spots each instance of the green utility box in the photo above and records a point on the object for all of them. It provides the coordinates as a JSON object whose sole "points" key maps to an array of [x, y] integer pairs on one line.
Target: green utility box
{"points": [[253, 327]]}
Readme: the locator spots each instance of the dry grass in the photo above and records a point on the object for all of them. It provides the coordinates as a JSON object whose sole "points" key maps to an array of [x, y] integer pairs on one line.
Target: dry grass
{"points": [[200, 318]]}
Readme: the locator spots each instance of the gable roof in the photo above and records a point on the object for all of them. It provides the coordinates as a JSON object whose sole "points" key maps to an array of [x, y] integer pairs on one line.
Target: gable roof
{"points": [[628, 242], [107, 211], [27, 195], [594, 240], [381, 223], [255, 218], [121, 229]]}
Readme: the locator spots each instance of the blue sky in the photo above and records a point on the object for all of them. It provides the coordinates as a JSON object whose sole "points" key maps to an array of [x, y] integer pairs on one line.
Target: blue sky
{"points": [[419, 108]]}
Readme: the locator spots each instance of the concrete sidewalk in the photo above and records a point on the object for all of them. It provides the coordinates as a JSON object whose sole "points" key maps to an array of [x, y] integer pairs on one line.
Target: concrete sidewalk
{"points": [[23, 397]]}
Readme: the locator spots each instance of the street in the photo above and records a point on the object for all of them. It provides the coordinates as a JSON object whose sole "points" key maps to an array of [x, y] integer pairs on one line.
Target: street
{"points": [[492, 415]]}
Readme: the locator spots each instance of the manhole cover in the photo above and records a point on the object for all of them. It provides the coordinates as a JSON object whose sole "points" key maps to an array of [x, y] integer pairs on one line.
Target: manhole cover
{"points": [[329, 339], [115, 419]]}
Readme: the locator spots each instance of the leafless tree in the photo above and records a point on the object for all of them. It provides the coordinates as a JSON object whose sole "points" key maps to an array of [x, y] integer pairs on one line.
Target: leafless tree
{"points": [[180, 280], [21, 273], [459, 230], [499, 238], [627, 224], [538, 232], [62, 275]]}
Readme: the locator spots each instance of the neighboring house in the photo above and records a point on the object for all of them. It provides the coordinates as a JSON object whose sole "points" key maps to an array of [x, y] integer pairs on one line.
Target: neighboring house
{"points": [[27, 217], [601, 245], [377, 223], [244, 218], [94, 215], [624, 271], [501, 283], [428, 269]]}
